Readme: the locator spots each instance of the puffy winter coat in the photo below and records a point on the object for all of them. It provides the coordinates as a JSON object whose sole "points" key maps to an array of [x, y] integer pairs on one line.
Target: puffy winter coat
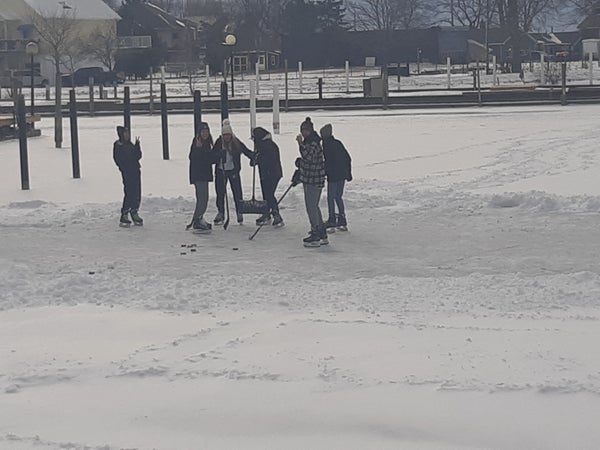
{"points": [[267, 156], [202, 158], [338, 164], [127, 156]]}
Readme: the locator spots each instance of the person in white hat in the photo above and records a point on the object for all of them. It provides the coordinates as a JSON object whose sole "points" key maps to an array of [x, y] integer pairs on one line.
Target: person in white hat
{"points": [[228, 170]]}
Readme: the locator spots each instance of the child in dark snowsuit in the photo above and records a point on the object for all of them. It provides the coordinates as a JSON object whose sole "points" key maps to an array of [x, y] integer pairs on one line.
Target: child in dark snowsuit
{"points": [[127, 158], [270, 171], [202, 159], [338, 168]]}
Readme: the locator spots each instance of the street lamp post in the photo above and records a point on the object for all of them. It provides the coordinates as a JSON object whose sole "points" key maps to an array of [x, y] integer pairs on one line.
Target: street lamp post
{"points": [[32, 49], [230, 41]]}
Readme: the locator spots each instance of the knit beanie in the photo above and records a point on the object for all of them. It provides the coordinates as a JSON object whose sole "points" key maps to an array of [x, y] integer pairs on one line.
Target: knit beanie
{"points": [[203, 126], [327, 131], [259, 134], [307, 125], [226, 128]]}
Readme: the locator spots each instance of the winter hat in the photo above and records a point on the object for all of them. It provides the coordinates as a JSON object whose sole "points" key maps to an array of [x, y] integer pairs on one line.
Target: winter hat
{"points": [[260, 134], [307, 125], [327, 131], [203, 126], [121, 131], [226, 128]]}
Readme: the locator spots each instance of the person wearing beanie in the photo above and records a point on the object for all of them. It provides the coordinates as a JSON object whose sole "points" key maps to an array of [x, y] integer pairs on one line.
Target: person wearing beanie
{"points": [[269, 168], [127, 157], [312, 176], [202, 158], [338, 169], [228, 170]]}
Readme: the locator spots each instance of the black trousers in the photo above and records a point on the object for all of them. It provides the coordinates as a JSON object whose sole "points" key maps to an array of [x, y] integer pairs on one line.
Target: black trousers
{"points": [[132, 188], [268, 187], [221, 179]]}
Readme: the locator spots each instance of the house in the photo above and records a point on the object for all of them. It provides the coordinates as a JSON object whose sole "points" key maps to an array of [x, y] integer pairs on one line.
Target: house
{"points": [[246, 60], [12, 44], [174, 42], [589, 30], [18, 21], [563, 45]]}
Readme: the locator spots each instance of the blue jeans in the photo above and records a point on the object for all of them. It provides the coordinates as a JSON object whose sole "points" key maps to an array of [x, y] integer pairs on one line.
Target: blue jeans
{"points": [[335, 191]]}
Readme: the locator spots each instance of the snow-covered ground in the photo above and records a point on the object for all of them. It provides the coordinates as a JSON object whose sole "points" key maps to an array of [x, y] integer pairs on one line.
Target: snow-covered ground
{"points": [[461, 310]]}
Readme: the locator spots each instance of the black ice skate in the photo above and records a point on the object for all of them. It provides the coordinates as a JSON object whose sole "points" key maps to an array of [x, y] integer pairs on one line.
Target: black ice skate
{"points": [[137, 220], [219, 219], [277, 220], [341, 224], [124, 221]]}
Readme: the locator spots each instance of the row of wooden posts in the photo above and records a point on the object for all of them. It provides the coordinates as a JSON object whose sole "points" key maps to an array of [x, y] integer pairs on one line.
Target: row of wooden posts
{"points": [[22, 123]]}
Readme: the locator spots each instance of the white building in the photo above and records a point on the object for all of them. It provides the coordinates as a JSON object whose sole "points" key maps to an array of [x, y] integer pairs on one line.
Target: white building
{"points": [[17, 27]]}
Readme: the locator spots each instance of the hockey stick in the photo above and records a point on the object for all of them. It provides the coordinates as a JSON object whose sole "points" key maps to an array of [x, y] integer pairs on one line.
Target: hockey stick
{"points": [[278, 202]]}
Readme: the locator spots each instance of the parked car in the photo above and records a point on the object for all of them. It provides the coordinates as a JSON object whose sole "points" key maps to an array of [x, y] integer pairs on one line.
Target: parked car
{"points": [[82, 76], [23, 79]]}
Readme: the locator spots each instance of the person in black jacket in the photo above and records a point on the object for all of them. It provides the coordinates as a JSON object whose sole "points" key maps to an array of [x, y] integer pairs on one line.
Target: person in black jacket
{"points": [[202, 158], [127, 158], [268, 160], [228, 170], [338, 168]]}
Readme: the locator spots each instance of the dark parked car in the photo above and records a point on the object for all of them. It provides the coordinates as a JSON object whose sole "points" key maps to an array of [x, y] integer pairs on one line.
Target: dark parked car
{"points": [[23, 79], [82, 76]]}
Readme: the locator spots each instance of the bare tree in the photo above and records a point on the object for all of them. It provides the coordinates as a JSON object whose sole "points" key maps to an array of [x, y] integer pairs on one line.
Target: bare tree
{"points": [[102, 45], [386, 15], [468, 13], [262, 19], [57, 30], [529, 12]]}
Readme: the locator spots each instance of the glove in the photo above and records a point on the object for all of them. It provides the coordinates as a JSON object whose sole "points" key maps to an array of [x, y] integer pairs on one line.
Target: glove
{"points": [[296, 178], [297, 162], [349, 178]]}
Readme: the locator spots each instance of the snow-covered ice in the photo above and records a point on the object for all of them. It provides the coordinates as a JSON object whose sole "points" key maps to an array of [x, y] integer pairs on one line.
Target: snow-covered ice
{"points": [[461, 311]]}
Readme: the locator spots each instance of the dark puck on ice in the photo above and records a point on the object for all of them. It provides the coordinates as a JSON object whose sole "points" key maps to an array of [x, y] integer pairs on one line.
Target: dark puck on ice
{"points": [[92, 273], [192, 250], [183, 253], [184, 245], [235, 248]]}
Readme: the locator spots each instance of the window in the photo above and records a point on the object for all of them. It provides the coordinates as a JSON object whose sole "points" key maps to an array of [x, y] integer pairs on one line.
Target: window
{"points": [[240, 63]]}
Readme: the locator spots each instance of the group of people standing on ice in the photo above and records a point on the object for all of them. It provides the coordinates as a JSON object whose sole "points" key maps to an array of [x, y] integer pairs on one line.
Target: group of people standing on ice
{"points": [[321, 158]]}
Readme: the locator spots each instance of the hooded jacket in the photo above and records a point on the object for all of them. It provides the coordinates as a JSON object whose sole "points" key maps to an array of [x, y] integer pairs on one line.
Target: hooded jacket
{"points": [[267, 155], [202, 158], [126, 154], [338, 164]]}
